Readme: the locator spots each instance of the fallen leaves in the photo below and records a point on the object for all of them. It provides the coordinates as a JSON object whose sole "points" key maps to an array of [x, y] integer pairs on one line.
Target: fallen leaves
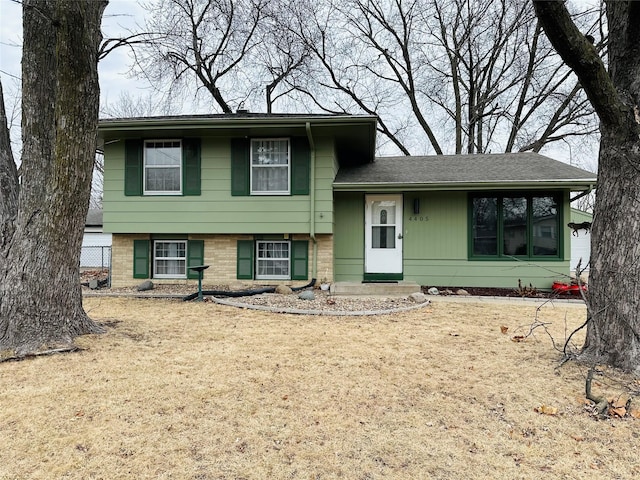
{"points": [[618, 406], [504, 329], [546, 410]]}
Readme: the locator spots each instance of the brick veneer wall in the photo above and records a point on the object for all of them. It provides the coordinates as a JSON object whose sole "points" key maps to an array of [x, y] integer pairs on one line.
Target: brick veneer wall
{"points": [[220, 253]]}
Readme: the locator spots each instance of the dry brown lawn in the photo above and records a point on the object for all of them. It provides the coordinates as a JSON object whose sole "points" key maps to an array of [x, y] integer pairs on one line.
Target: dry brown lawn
{"points": [[203, 391]]}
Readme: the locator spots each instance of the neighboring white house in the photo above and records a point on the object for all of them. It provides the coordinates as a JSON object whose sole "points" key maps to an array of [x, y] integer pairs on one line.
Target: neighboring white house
{"points": [[96, 245], [580, 240]]}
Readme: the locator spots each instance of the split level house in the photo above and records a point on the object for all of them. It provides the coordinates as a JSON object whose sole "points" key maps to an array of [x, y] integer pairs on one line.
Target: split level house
{"points": [[277, 198]]}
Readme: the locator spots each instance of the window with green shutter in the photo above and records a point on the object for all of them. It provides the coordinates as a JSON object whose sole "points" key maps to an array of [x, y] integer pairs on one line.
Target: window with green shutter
{"points": [[169, 258], [273, 259], [162, 167], [270, 166]]}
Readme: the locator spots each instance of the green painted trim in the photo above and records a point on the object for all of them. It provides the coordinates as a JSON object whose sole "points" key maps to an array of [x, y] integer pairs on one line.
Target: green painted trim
{"points": [[381, 277]]}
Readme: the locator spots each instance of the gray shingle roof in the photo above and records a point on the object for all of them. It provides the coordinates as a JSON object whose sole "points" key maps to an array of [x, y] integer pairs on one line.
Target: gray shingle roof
{"points": [[525, 168], [94, 218]]}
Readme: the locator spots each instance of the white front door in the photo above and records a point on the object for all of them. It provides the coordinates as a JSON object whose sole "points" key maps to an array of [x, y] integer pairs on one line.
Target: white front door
{"points": [[383, 234]]}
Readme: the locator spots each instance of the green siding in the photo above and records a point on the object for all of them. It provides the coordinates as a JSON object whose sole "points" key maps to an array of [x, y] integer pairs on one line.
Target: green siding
{"points": [[216, 210], [578, 216], [435, 245], [348, 247], [503, 274], [439, 230]]}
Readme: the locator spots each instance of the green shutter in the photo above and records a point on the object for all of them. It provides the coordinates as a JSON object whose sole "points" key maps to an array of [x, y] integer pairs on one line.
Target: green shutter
{"points": [[300, 166], [299, 260], [191, 166], [195, 256], [240, 168], [133, 167], [141, 258], [245, 260]]}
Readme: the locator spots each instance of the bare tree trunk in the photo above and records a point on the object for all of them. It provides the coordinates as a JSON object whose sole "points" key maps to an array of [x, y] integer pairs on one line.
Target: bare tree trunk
{"points": [[8, 181], [613, 330], [40, 293]]}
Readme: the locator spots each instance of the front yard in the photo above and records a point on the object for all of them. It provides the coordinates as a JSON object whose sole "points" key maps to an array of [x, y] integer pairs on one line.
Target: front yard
{"points": [[203, 391]]}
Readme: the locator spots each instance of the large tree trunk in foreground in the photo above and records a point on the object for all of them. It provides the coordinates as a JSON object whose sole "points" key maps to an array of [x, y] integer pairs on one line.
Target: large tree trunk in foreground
{"points": [[40, 293], [613, 330]]}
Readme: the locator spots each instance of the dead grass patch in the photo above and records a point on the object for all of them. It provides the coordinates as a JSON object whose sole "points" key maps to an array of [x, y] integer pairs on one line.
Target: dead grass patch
{"points": [[203, 391]]}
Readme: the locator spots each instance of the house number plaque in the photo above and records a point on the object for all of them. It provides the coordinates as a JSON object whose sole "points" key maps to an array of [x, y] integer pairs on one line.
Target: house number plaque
{"points": [[418, 218]]}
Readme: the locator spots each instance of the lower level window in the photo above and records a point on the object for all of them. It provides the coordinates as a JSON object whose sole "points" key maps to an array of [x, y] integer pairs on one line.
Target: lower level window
{"points": [[170, 258], [272, 260]]}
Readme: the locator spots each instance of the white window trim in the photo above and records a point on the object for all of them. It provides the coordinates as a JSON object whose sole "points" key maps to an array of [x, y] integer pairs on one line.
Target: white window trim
{"points": [[251, 166], [156, 258], [144, 168], [257, 259]]}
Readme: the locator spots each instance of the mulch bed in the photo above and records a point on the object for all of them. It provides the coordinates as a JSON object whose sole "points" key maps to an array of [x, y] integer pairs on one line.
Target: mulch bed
{"points": [[503, 292]]}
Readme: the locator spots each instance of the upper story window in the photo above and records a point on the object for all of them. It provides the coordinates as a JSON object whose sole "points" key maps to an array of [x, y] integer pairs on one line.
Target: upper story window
{"points": [[163, 167], [270, 166]]}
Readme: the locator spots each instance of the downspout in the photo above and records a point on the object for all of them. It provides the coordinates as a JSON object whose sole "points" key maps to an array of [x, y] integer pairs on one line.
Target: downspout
{"points": [[580, 195], [312, 202]]}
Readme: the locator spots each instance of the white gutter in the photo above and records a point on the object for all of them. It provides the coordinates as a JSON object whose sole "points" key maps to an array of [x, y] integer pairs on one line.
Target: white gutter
{"points": [[580, 195]]}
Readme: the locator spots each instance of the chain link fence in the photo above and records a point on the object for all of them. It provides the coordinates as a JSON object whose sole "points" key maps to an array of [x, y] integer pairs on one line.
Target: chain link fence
{"points": [[95, 263]]}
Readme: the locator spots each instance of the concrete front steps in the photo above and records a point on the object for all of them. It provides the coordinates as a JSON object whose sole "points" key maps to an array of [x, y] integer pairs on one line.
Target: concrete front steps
{"points": [[390, 289]]}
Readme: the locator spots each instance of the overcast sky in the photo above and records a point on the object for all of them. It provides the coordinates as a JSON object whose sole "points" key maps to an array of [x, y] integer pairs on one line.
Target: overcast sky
{"points": [[118, 15], [113, 70]]}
